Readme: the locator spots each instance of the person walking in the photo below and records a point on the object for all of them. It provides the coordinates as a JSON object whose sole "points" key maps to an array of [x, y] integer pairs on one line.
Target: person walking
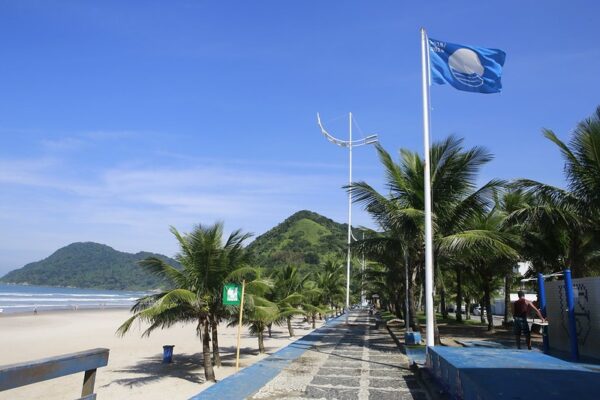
{"points": [[521, 308]]}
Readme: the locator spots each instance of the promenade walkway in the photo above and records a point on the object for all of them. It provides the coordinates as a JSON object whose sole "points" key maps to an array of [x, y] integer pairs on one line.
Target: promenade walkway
{"points": [[347, 362], [335, 362]]}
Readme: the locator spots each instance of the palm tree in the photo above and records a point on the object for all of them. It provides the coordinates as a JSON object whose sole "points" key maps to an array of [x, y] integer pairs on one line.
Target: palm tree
{"points": [[330, 282], [456, 199], [259, 312], [574, 213], [400, 218], [313, 303], [490, 259], [507, 202], [195, 288], [287, 295], [392, 251]]}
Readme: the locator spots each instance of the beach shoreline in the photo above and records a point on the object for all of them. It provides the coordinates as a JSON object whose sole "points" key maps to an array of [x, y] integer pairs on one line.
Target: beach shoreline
{"points": [[66, 309], [135, 369], [31, 299]]}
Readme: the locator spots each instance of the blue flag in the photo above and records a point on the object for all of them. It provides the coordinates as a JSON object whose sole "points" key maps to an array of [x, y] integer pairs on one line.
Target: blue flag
{"points": [[468, 68]]}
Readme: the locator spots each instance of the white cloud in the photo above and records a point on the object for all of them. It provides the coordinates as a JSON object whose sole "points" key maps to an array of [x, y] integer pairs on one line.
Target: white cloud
{"points": [[26, 171], [63, 144], [47, 206], [129, 202]]}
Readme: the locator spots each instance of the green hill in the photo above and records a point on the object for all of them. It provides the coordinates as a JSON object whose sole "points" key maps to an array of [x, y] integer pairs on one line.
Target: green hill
{"points": [[88, 265], [303, 239]]}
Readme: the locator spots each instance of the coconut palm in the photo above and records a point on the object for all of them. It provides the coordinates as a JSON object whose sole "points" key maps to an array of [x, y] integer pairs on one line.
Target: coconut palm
{"points": [[259, 312], [330, 282], [491, 259], [508, 201], [392, 251], [574, 212], [205, 262], [313, 305], [456, 199], [289, 285]]}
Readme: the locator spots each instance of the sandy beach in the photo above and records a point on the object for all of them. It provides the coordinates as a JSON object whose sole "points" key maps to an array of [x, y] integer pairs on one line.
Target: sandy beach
{"points": [[134, 368]]}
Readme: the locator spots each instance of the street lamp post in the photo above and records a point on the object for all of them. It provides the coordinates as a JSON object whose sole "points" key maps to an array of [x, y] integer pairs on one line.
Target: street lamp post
{"points": [[349, 144], [362, 277]]}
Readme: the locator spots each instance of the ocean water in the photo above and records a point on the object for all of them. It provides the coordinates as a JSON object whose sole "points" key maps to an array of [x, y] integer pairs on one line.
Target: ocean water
{"points": [[25, 299]]}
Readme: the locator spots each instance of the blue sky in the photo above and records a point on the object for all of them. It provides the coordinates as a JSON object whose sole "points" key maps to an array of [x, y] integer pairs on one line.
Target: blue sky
{"points": [[120, 118]]}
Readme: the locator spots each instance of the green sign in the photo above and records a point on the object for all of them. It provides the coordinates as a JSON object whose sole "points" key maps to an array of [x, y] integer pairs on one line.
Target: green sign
{"points": [[232, 294]]}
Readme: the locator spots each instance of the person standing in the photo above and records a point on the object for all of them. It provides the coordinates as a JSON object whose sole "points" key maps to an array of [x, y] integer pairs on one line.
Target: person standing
{"points": [[521, 308]]}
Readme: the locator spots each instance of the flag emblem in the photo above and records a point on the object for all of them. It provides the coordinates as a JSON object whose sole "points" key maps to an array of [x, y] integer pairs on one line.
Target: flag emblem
{"points": [[466, 67]]}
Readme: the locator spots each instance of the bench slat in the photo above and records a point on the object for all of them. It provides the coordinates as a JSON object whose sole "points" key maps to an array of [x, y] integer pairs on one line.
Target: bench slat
{"points": [[21, 374]]}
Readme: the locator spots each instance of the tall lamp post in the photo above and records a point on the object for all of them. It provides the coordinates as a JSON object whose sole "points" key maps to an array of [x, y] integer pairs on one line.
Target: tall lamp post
{"points": [[349, 144]]}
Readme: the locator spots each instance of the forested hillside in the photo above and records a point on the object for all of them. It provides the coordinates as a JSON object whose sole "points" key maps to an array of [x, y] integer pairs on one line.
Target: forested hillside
{"points": [[89, 265], [304, 239]]}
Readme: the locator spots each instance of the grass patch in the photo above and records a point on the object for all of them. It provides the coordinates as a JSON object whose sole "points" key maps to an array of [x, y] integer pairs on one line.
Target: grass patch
{"points": [[471, 321], [387, 316], [451, 321]]}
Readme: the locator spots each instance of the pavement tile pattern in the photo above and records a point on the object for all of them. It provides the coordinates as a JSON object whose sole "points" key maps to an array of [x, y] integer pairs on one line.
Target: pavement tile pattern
{"points": [[348, 362]]}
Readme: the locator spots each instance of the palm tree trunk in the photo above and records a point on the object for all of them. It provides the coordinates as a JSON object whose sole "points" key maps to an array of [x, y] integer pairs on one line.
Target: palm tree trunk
{"points": [[413, 321], [269, 326], [458, 293], [398, 305], [482, 308], [507, 280], [261, 341], [467, 308], [436, 332], [488, 308], [289, 325], [215, 342], [209, 372], [440, 282], [443, 302], [314, 321]]}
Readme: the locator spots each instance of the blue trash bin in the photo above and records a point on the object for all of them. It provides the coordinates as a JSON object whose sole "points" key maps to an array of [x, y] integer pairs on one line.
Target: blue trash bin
{"points": [[412, 338], [167, 354]]}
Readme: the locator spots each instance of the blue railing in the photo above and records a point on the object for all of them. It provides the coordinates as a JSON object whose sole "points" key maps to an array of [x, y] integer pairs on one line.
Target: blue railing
{"points": [[17, 375]]}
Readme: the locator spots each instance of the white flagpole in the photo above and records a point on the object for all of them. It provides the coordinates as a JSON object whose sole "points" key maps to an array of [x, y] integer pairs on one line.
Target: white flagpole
{"points": [[428, 226], [349, 221]]}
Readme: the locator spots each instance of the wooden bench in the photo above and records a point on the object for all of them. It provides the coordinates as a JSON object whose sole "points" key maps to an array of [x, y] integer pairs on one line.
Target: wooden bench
{"points": [[16, 375]]}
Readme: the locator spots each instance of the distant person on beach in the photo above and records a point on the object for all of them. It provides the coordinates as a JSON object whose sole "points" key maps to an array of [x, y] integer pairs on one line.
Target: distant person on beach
{"points": [[521, 308]]}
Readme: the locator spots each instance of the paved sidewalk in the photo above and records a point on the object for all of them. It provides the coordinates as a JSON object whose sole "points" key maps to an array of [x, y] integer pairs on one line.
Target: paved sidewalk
{"points": [[348, 362]]}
